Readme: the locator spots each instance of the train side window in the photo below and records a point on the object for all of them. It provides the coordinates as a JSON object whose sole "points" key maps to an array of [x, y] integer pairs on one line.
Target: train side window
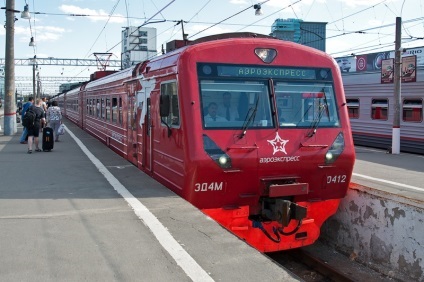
{"points": [[120, 111], [170, 88], [412, 110], [107, 109], [102, 108], [353, 107], [97, 107], [379, 109], [114, 110]]}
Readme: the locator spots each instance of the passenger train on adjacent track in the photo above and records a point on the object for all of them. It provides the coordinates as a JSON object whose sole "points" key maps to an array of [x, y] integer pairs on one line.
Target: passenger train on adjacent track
{"points": [[371, 107], [252, 130]]}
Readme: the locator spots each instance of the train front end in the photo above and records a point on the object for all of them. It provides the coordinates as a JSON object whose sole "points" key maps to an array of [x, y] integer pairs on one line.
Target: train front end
{"points": [[275, 154]]}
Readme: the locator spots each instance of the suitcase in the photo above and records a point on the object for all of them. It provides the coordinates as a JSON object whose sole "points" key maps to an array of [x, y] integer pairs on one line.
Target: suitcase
{"points": [[48, 139]]}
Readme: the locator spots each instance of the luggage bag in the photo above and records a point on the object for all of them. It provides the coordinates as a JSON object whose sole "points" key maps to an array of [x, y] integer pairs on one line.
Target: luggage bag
{"points": [[48, 139]]}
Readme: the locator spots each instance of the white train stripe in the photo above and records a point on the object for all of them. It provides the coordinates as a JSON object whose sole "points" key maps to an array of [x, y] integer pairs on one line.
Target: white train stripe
{"points": [[388, 182], [181, 257]]}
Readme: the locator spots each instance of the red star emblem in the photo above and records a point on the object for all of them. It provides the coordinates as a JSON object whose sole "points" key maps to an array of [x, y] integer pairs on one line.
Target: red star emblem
{"points": [[278, 144]]}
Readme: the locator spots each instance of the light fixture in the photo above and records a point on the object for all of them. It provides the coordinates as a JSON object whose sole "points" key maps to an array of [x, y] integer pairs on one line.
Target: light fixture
{"points": [[32, 42], [267, 55], [25, 14], [258, 10]]}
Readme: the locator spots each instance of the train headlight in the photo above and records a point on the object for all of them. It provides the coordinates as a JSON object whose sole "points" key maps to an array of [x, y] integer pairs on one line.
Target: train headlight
{"points": [[223, 160], [267, 55], [335, 150], [216, 153]]}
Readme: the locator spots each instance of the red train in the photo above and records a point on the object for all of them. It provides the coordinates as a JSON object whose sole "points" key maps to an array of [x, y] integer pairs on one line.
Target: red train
{"points": [[253, 131]]}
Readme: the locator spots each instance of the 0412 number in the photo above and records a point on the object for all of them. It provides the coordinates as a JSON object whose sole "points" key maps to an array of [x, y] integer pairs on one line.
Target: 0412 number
{"points": [[336, 179]]}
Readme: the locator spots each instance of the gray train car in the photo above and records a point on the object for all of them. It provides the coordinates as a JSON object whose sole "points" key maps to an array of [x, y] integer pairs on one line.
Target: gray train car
{"points": [[371, 110]]}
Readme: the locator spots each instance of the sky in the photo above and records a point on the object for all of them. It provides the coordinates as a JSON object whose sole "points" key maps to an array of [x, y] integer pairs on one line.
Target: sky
{"points": [[353, 26]]}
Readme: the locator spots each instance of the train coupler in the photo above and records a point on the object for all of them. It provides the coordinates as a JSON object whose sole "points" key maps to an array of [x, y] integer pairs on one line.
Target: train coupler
{"points": [[286, 210]]}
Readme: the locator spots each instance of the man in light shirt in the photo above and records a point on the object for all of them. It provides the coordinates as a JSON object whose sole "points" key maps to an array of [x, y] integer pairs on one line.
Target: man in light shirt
{"points": [[212, 114]]}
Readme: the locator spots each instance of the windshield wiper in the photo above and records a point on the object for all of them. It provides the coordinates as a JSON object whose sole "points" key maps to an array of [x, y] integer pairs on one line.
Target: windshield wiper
{"points": [[317, 120], [250, 117]]}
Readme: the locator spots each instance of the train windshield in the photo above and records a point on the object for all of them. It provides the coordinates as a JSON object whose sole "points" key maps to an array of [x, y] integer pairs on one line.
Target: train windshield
{"points": [[236, 104], [239, 96], [304, 104]]}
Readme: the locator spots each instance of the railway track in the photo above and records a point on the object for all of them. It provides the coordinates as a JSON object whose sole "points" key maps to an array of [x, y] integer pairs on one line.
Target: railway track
{"points": [[318, 263]]}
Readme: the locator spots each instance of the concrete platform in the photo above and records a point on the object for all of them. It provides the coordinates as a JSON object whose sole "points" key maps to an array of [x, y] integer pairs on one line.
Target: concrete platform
{"points": [[380, 221], [66, 216]]}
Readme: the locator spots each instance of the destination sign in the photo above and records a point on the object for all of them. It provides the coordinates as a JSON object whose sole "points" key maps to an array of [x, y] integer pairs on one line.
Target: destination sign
{"points": [[266, 72]]}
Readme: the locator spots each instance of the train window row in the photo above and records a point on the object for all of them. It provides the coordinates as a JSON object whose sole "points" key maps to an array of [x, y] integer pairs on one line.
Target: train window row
{"points": [[412, 109], [106, 109]]}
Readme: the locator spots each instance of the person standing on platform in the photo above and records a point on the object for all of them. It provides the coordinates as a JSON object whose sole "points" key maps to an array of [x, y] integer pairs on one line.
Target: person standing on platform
{"points": [[226, 110], [54, 119], [48, 103], [34, 131], [25, 107], [44, 107]]}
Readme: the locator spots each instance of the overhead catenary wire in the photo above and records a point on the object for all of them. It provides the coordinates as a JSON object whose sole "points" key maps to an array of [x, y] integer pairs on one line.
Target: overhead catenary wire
{"points": [[344, 33], [251, 6]]}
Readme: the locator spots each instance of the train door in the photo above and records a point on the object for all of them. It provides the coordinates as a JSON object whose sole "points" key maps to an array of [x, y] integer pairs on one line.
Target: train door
{"points": [[147, 138], [132, 130]]}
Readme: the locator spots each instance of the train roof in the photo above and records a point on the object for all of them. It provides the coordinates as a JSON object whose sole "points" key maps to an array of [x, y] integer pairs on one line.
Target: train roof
{"points": [[121, 75]]}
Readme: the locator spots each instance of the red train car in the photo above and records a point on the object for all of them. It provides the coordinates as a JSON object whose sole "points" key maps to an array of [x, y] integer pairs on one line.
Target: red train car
{"points": [[253, 131]]}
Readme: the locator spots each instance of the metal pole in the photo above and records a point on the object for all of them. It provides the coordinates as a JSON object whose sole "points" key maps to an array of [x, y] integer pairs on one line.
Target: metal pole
{"points": [[397, 94], [9, 78], [34, 94]]}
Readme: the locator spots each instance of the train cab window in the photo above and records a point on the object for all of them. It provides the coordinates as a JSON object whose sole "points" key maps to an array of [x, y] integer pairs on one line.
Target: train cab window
{"points": [[114, 110], [235, 104], [170, 88], [379, 109], [306, 104], [353, 107], [412, 110]]}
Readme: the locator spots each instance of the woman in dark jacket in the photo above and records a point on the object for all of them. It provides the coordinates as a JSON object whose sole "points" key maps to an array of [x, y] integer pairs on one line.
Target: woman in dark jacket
{"points": [[34, 131]]}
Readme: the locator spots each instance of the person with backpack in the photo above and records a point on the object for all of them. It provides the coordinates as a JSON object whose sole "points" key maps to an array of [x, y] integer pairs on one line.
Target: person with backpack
{"points": [[25, 130], [34, 124]]}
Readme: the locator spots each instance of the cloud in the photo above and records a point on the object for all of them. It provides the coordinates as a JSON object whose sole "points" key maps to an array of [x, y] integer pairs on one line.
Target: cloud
{"points": [[280, 4], [211, 31], [356, 3], [43, 33], [238, 2], [94, 15]]}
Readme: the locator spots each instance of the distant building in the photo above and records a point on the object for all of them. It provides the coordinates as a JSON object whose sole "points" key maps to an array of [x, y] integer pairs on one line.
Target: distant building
{"points": [[311, 34], [69, 86], [138, 44]]}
